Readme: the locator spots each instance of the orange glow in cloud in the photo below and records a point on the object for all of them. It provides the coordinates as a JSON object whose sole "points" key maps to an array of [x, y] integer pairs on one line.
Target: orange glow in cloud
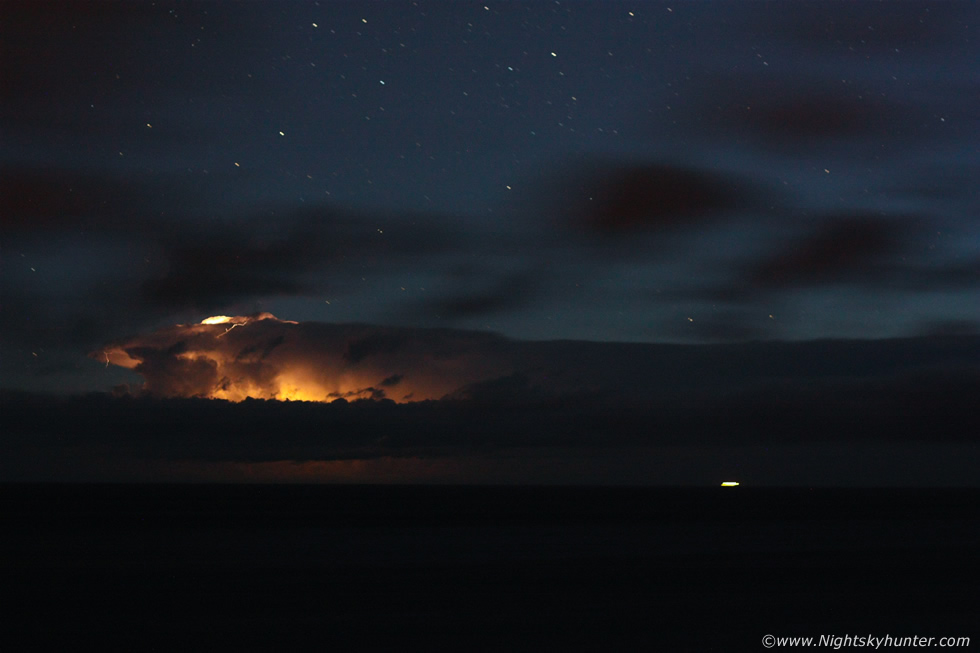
{"points": [[262, 357], [217, 319]]}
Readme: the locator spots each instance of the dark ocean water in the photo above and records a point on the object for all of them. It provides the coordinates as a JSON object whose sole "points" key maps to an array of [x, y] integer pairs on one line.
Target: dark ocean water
{"points": [[158, 567]]}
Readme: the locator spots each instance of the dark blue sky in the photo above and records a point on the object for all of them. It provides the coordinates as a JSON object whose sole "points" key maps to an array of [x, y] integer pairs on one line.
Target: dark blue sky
{"points": [[645, 171]]}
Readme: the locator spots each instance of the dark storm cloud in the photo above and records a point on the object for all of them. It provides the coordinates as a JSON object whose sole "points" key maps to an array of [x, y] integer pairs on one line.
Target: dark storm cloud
{"points": [[202, 264], [872, 251], [392, 380], [953, 276], [920, 27], [164, 257], [232, 260], [508, 293], [829, 75], [839, 248], [167, 373], [51, 323], [611, 197], [211, 275], [786, 112], [790, 113]]}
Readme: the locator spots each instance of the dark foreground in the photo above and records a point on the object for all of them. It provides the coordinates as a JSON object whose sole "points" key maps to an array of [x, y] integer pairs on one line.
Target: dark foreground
{"points": [[483, 569]]}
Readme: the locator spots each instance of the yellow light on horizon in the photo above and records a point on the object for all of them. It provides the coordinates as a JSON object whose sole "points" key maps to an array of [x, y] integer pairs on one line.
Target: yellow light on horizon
{"points": [[729, 483], [217, 319]]}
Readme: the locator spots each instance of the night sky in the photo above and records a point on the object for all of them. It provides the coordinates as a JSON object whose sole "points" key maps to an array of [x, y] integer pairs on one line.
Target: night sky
{"points": [[745, 208]]}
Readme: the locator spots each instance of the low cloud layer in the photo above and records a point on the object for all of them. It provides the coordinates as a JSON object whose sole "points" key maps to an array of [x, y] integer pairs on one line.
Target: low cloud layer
{"points": [[408, 404], [829, 423], [262, 357]]}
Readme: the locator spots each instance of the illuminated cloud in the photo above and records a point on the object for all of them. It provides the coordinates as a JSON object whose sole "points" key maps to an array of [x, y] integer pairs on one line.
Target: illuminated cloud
{"points": [[263, 357]]}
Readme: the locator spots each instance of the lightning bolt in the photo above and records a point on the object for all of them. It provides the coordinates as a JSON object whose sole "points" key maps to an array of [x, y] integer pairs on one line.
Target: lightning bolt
{"points": [[106, 358], [237, 324]]}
